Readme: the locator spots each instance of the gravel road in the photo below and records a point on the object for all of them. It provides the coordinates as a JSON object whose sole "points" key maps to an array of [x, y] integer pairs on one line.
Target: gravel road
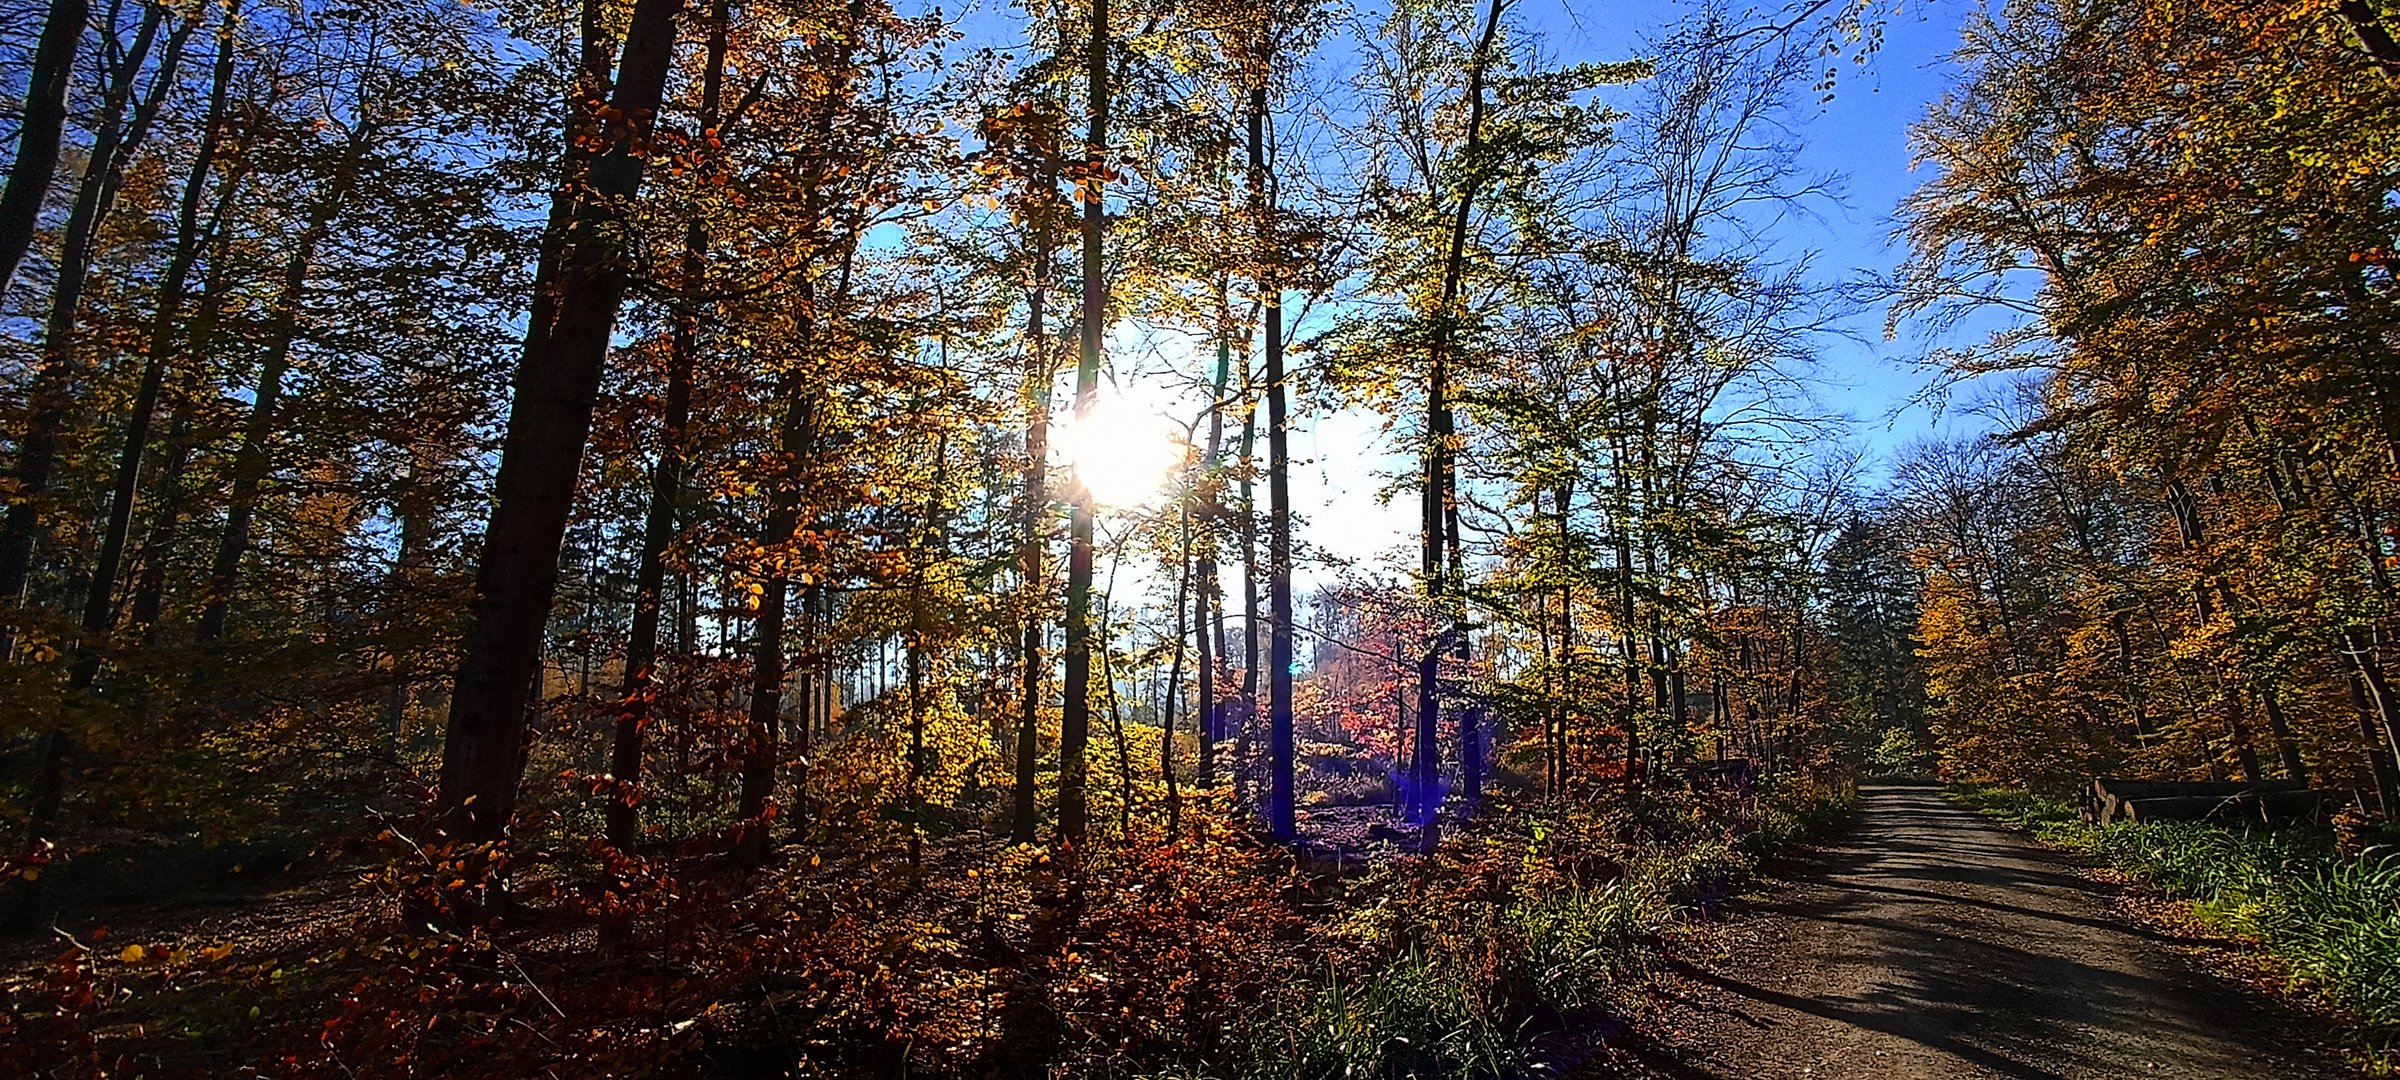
{"points": [[1932, 943]]}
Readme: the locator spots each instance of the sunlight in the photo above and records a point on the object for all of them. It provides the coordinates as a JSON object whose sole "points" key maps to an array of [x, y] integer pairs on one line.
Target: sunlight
{"points": [[1123, 450]]}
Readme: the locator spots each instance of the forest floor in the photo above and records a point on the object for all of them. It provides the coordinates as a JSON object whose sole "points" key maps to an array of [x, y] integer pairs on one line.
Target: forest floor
{"points": [[1929, 942]]}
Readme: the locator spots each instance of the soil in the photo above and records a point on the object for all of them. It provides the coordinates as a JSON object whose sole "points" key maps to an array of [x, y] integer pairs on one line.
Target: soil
{"points": [[1929, 942]]}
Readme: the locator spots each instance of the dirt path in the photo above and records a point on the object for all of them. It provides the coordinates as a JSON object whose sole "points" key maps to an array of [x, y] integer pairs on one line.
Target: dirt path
{"points": [[1932, 943]]}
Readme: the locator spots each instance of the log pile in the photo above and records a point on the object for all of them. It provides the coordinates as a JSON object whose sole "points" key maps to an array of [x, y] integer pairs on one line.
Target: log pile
{"points": [[2108, 800]]}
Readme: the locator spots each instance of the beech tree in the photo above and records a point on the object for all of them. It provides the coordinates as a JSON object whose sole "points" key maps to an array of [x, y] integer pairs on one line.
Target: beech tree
{"points": [[576, 294]]}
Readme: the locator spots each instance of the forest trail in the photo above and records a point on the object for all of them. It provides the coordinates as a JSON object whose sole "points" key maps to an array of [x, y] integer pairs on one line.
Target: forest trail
{"points": [[1929, 942]]}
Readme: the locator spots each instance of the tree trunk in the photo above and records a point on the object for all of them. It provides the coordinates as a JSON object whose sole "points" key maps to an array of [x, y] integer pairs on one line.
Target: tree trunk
{"points": [[1166, 735], [1440, 471], [39, 132], [166, 522], [795, 442], [1248, 712], [55, 382], [1206, 600], [251, 462], [577, 290], [1470, 714], [99, 609], [416, 535], [2359, 648], [623, 812], [1025, 821], [2380, 761], [1282, 818], [2286, 748], [1075, 720], [52, 395], [929, 528], [1565, 632], [2372, 37]]}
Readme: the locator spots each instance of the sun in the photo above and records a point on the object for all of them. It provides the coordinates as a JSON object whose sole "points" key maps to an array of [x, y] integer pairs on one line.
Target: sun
{"points": [[1122, 451]]}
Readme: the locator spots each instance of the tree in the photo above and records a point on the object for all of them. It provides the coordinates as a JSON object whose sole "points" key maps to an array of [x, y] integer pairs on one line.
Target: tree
{"points": [[566, 341], [1090, 183], [39, 132]]}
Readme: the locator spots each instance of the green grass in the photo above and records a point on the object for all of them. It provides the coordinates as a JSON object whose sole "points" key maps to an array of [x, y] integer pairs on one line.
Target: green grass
{"points": [[1461, 1001], [2332, 920]]}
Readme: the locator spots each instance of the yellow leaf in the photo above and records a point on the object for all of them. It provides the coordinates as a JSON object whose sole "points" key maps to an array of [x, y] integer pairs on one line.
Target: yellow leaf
{"points": [[133, 954]]}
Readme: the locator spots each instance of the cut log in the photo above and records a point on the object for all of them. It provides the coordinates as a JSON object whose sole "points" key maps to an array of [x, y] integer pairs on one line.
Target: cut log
{"points": [[2267, 807], [2105, 799]]}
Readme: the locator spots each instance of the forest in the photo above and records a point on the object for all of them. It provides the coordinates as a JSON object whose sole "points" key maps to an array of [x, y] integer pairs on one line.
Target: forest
{"points": [[1152, 538]]}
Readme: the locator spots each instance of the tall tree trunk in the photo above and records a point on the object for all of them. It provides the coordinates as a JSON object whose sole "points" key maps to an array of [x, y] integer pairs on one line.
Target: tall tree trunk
{"points": [[1039, 370], [1565, 631], [929, 528], [2186, 509], [99, 609], [1247, 714], [1282, 818], [1206, 600], [577, 289], [2287, 749], [2380, 761], [1470, 715], [166, 521], [1075, 719], [1166, 735], [39, 132], [408, 568], [2359, 648], [1440, 470], [623, 813], [52, 395], [56, 380], [795, 443], [815, 691], [252, 461]]}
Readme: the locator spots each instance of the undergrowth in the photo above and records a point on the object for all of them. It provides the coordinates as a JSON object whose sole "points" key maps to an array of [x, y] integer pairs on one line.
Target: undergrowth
{"points": [[2331, 920], [1521, 924], [1204, 958]]}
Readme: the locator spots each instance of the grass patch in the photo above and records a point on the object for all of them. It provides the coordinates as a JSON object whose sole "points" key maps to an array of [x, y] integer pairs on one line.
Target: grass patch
{"points": [[1452, 980], [2332, 920]]}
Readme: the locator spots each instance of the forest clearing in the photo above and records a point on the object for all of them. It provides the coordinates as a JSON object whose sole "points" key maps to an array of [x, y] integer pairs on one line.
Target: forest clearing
{"points": [[1205, 539]]}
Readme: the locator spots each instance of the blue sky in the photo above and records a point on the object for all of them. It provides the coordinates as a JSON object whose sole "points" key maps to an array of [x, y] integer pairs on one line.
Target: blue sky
{"points": [[1861, 137]]}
